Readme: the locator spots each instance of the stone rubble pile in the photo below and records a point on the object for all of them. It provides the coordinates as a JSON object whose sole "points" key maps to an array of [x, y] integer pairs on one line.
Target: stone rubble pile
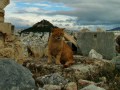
{"points": [[86, 74], [86, 71], [34, 44]]}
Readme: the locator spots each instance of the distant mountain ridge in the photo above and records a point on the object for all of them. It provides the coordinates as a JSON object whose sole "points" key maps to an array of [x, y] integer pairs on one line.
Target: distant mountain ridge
{"points": [[42, 26], [115, 29]]}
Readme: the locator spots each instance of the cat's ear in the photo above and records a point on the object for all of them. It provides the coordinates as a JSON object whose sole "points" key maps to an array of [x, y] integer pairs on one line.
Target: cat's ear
{"points": [[53, 28]]}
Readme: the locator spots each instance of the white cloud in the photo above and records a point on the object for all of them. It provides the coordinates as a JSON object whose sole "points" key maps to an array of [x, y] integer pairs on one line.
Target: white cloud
{"points": [[32, 9], [43, 5], [86, 12], [28, 19]]}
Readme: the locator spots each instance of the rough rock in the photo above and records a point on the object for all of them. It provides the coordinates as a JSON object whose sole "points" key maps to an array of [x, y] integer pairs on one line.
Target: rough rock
{"points": [[36, 51], [100, 30], [117, 48], [4, 3], [14, 76], [9, 38], [1, 44], [85, 30], [75, 72], [52, 79], [116, 61], [71, 86], [52, 87], [85, 82], [11, 47], [36, 43], [92, 87], [94, 54], [41, 89], [7, 52], [118, 40], [46, 51], [19, 51], [83, 68], [42, 26]]}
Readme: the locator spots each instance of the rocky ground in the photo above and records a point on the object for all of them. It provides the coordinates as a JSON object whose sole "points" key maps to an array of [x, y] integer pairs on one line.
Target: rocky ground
{"points": [[85, 74]]}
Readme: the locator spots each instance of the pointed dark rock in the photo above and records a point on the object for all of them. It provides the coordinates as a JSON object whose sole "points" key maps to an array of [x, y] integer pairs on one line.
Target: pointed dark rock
{"points": [[42, 26]]}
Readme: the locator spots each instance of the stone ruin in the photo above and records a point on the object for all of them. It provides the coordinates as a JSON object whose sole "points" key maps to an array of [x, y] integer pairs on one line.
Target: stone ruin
{"points": [[102, 42], [46, 75], [10, 45]]}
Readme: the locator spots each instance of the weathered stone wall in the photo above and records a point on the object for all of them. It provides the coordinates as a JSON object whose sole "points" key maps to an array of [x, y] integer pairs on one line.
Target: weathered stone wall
{"points": [[102, 42], [4, 3], [10, 45], [6, 28], [1, 15]]}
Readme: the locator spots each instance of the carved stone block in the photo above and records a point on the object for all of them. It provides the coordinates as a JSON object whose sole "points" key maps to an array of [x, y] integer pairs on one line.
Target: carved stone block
{"points": [[4, 3], [101, 42], [5, 28], [1, 15]]}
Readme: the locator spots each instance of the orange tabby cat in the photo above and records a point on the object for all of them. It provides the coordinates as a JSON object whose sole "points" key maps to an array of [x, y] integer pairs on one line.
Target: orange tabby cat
{"points": [[59, 49]]}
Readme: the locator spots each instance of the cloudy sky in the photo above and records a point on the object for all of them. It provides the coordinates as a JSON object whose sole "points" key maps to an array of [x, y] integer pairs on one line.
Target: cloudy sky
{"points": [[71, 14]]}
